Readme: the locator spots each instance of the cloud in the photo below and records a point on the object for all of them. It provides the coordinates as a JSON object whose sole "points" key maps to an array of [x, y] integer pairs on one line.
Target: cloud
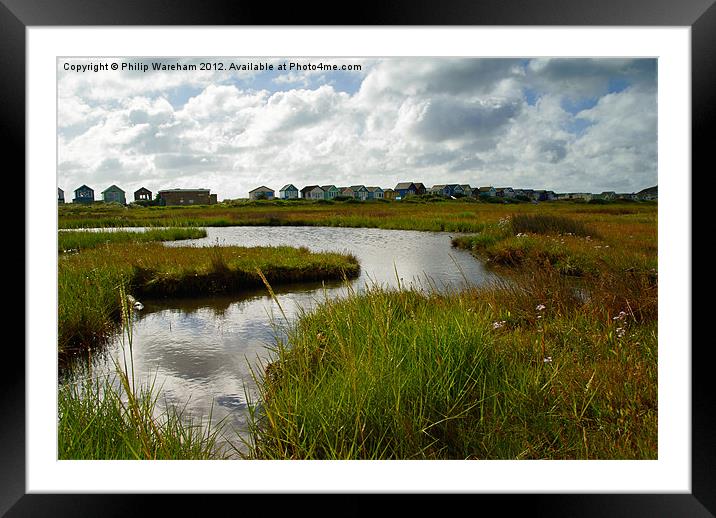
{"points": [[585, 77], [414, 118], [441, 118]]}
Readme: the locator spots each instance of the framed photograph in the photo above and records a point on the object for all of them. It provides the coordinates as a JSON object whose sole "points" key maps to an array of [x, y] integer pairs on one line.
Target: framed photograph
{"points": [[215, 104]]}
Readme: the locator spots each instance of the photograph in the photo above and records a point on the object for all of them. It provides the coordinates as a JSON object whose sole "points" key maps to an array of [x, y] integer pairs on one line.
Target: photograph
{"points": [[378, 258], [421, 254]]}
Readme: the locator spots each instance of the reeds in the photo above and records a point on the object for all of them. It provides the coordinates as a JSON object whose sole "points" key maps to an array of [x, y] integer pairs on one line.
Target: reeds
{"points": [[465, 215], [113, 416], [88, 282], [69, 241], [558, 360], [549, 223], [525, 369]]}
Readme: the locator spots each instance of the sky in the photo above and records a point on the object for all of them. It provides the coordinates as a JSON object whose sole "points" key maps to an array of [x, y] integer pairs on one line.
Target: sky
{"points": [[562, 124]]}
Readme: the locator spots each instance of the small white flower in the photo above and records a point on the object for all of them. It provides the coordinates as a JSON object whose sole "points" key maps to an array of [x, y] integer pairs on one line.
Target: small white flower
{"points": [[548, 359], [540, 307], [498, 324]]}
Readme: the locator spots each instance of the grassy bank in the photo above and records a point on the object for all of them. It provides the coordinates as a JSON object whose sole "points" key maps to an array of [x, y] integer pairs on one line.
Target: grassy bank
{"points": [[89, 304], [526, 371], [559, 361], [580, 247], [69, 241]]}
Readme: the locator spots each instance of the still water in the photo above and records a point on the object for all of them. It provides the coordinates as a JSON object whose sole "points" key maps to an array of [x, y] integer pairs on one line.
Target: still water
{"points": [[202, 351]]}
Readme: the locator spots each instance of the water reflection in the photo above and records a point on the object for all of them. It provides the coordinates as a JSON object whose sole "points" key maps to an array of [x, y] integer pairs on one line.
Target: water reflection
{"points": [[205, 351]]}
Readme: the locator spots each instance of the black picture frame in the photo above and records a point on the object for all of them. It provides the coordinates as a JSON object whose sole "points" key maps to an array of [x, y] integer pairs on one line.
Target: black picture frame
{"points": [[700, 15]]}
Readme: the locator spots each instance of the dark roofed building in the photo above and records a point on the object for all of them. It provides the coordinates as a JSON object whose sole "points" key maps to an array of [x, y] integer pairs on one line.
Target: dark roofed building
{"points": [[288, 192], [261, 193], [83, 194], [186, 197], [306, 190], [405, 188], [142, 194]]}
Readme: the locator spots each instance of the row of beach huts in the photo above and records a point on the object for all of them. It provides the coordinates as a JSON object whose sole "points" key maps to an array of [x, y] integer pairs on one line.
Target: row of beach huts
{"points": [[143, 196], [404, 189], [401, 190]]}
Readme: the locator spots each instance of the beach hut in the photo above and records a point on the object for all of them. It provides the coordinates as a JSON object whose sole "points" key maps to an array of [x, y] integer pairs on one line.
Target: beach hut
{"points": [[288, 192], [405, 188], [83, 194], [330, 192], [114, 194], [375, 193], [261, 193], [359, 192], [142, 194]]}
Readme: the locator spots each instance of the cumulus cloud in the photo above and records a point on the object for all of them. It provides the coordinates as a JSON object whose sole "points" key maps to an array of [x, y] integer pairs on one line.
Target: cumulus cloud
{"points": [[587, 125]]}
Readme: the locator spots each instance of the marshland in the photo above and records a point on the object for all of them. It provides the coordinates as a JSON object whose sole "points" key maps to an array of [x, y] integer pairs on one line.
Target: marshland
{"points": [[418, 329]]}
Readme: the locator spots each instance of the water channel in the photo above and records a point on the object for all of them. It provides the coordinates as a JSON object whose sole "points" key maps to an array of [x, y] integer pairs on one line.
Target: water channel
{"points": [[201, 350]]}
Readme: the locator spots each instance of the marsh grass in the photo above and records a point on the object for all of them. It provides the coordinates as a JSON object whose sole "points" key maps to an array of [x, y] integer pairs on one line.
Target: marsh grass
{"points": [[549, 223], [604, 243], [75, 241], [525, 369], [89, 306], [465, 215], [555, 360], [113, 416]]}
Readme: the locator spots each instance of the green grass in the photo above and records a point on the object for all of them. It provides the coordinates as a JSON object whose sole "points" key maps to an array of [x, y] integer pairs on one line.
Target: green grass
{"points": [[114, 417], [464, 215], [478, 374], [549, 223], [581, 245], [558, 361], [88, 282], [69, 241]]}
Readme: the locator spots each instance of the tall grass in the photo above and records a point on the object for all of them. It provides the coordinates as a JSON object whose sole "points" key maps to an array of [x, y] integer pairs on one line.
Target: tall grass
{"points": [[556, 361], [69, 241], [450, 216], [609, 243], [88, 282], [115, 417], [549, 223], [522, 370]]}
